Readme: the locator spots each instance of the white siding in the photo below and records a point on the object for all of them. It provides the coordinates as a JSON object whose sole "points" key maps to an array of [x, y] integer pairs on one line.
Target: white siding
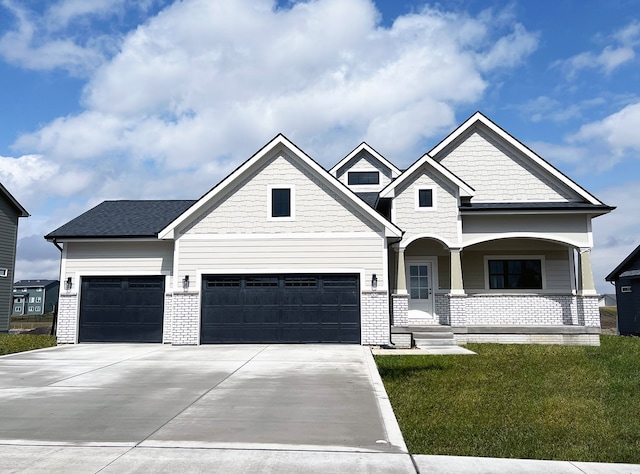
{"points": [[573, 229], [118, 258], [499, 173], [317, 208], [278, 254], [441, 221]]}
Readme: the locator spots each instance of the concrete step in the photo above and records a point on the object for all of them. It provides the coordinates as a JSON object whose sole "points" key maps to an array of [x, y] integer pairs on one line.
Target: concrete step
{"points": [[433, 335], [422, 343]]}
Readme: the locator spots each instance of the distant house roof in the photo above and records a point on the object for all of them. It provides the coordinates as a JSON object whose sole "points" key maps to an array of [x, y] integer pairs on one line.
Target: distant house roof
{"points": [[122, 219], [34, 283], [619, 271], [21, 210]]}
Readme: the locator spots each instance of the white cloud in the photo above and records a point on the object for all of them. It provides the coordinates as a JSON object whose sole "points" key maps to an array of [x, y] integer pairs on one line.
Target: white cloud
{"points": [[617, 233], [617, 134], [205, 81], [610, 58]]}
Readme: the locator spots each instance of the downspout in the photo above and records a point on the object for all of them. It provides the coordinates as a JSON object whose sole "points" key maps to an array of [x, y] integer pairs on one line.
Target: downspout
{"points": [[389, 247], [54, 323]]}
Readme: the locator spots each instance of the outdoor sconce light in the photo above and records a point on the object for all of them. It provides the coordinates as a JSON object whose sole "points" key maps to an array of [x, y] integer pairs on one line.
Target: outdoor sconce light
{"points": [[374, 282], [185, 282], [68, 284]]}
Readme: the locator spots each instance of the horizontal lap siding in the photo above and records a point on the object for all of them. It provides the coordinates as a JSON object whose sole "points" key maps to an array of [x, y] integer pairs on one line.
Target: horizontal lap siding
{"points": [[112, 258], [289, 254], [8, 230]]}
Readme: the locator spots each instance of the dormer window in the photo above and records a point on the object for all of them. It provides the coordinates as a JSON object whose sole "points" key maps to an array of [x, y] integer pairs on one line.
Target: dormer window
{"points": [[363, 177]]}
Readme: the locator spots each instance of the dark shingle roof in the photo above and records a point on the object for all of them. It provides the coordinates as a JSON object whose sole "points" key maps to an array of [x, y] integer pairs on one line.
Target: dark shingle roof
{"points": [[535, 206], [369, 198], [22, 212], [619, 271], [123, 219]]}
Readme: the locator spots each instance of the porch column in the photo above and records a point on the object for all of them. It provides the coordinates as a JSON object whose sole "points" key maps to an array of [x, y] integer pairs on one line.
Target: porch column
{"points": [[586, 285], [401, 278], [457, 285]]}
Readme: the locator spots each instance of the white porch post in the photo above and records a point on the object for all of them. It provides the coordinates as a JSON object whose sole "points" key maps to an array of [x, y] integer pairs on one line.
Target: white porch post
{"points": [[586, 285], [457, 285], [401, 278]]}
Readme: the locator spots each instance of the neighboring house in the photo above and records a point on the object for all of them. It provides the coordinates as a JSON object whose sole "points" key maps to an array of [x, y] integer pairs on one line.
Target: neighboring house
{"points": [[626, 277], [10, 212], [480, 238], [35, 297], [607, 300]]}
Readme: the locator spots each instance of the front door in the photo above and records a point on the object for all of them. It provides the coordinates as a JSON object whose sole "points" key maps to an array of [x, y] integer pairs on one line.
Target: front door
{"points": [[420, 288]]}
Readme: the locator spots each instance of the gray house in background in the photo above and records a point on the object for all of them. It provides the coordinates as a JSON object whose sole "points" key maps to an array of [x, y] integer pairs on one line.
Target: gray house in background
{"points": [[10, 211], [35, 297], [626, 277]]}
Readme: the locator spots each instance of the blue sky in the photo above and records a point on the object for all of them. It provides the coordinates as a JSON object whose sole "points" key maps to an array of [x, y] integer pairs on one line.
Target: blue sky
{"points": [[124, 99]]}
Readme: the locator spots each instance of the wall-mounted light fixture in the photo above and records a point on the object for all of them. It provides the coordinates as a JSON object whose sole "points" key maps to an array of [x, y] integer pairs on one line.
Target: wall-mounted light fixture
{"points": [[68, 284], [374, 282], [185, 282]]}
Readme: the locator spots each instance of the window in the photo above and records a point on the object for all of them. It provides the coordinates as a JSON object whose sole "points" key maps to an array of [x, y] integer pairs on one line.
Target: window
{"points": [[363, 177], [281, 202], [425, 198], [4, 272], [515, 274], [32, 299], [38, 299], [625, 289]]}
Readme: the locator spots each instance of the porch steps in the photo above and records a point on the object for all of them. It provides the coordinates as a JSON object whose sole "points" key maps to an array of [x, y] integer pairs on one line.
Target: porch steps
{"points": [[430, 336]]}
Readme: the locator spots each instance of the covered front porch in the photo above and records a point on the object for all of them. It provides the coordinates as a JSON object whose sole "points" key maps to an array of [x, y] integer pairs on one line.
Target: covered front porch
{"points": [[517, 289]]}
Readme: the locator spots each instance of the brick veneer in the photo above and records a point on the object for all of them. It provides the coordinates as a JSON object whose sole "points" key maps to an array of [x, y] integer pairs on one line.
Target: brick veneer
{"points": [[185, 321], [400, 310], [67, 324], [374, 318]]}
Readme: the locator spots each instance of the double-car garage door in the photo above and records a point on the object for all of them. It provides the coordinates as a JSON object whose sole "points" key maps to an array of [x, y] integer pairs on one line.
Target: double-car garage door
{"points": [[235, 309]]}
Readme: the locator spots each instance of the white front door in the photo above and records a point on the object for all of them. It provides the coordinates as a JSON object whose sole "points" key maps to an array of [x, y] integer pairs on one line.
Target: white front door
{"points": [[420, 288]]}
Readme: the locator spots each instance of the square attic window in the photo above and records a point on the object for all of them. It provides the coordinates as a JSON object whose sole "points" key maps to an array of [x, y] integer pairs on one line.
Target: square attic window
{"points": [[363, 177]]}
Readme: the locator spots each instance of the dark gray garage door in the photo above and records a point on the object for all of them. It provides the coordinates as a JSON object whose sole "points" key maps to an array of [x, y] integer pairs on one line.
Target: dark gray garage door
{"points": [[280, 308], [121, 309]]}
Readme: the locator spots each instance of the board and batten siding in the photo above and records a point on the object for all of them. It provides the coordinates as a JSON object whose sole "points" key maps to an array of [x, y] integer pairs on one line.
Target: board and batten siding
{"points": [[117, 258], [316, 208], [219, 256], [441, 221], [8, 236], [500, 174]]}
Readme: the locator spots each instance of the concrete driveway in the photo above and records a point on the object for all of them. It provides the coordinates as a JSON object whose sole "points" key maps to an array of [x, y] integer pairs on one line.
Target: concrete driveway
{"points": [[228, 408]]}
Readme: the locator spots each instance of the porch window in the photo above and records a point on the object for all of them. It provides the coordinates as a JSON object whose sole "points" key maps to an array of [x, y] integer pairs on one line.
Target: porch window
{"points": [[516, 274]]}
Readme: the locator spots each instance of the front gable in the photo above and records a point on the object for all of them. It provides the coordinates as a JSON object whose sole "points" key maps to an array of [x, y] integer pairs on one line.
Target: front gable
{"points": [[501, 169], [240, 204], [364, 159]]}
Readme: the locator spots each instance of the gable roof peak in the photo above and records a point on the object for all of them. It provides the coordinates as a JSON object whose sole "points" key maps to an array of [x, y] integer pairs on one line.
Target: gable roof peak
{"points": [[395, 171], [22, 212]]}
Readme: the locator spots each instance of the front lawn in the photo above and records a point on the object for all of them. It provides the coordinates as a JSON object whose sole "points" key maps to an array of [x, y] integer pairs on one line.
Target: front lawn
{"points": [[521, 401], [11, 343]]}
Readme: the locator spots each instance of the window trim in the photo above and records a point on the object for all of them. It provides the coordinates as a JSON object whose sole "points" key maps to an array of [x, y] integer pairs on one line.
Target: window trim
{"points": [[361, 172], [4, 272], [543, 273], [292, 202], [433, 206]]}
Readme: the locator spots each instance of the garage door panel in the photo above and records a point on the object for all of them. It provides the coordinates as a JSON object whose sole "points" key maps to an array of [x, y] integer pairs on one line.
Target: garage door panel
{"points": [[281, 308], [121, 309]]}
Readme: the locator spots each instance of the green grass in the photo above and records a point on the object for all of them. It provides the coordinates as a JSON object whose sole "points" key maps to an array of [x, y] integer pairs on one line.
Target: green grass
{"points": [[11, 343], [521, 401]]}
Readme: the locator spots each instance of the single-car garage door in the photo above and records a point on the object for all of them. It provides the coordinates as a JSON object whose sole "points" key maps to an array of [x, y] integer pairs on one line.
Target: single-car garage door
{"points": [[121, 309], [280, 308]]}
